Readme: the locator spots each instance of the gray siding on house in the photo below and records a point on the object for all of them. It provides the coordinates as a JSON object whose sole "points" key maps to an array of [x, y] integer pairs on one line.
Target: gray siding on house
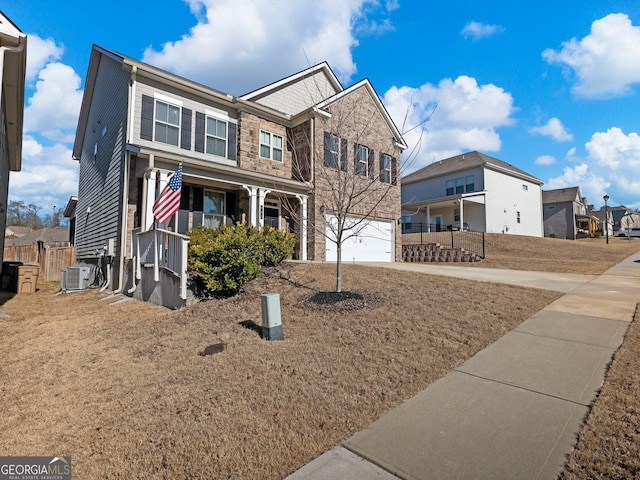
{"points": [[558, 220], [432, 188], [101, 174], [293, 99], [197, 106]]}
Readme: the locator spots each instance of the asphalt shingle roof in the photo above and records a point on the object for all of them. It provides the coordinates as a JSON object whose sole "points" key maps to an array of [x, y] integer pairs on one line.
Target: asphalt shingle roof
{"points": [[464, 162], [560, 195]]}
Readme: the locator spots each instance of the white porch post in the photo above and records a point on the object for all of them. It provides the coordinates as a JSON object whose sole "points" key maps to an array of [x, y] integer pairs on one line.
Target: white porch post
{"points": [[252, 217], [147, 221], [261, 194], [303, 226], [461, 214], [428, 218]]}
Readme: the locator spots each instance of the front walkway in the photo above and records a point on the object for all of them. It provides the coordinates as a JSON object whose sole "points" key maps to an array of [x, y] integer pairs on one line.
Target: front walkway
{"points": [[514, 409]]}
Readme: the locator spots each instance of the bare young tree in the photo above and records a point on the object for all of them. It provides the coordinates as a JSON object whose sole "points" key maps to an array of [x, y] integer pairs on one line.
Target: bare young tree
{"points": [[350, 153]]}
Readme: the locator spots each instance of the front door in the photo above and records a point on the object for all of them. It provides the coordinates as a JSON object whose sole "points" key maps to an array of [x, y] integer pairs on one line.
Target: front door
{"points": [[438, 223]]}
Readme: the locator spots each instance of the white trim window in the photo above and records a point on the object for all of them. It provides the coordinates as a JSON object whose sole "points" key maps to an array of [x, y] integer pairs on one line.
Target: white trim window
{"points": [[385, 169], [271, 146], [167, 123], [362, 160], [216, 137]]}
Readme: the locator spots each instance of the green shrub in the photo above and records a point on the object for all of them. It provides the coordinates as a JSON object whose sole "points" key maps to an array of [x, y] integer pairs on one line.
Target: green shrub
{"points": [[222, 260], [553, 235]]}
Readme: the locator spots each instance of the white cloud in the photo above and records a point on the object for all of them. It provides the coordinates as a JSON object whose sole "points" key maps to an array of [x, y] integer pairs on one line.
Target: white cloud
{"points": [[250, 43], [545, 160], [476, 30], [54, 107], [49, 175], [607, 61], [554, 129], [612, 166], [39, 53], [466, 117]]}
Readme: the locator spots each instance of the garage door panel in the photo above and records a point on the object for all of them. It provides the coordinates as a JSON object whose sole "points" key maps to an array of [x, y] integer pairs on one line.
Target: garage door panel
{"points": [[368, 241]]}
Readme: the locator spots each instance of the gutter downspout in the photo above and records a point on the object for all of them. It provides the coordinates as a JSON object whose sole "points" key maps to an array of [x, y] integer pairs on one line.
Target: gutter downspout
{"points": [[125, 223], [312, 149]]}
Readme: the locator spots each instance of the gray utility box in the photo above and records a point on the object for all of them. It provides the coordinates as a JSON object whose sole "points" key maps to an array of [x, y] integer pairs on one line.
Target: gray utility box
{"points": [[271, 321]]}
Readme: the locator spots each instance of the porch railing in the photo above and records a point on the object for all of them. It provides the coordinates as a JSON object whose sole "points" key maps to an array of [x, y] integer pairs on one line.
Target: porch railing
{"points": [[161, 249], [423, 233]]}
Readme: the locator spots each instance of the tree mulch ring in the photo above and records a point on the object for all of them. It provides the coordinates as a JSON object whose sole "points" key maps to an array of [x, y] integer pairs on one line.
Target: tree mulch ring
{"points": [[340, 301]]}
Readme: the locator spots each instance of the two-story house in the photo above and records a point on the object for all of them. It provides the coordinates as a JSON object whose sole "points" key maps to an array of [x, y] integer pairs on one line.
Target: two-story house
{"points": [[566, 214], [13, 64], [473, 191], [263, 158]]}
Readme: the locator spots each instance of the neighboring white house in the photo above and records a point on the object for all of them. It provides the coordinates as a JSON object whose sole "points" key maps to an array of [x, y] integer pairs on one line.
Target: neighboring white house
{"points": [[474, 191]]}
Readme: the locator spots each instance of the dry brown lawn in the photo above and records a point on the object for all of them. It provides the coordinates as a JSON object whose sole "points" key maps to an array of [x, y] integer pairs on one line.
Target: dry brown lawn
{"points": [[126, 390], [589, 255], [609, 444]]}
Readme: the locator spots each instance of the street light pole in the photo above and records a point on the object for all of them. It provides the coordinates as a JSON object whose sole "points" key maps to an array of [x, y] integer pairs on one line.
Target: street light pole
{"points": [[606, 217]]}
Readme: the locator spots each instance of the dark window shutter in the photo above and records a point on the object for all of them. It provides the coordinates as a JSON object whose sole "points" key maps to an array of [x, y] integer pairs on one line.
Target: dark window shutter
{"points": [[185, 134], [370, 161], [232, 142], [185, 196], [146, 119], [394, 171], [231, 206], [198, 199], [383, 173], [200, 130], [328, 161], [356, 166], [343, 154]]}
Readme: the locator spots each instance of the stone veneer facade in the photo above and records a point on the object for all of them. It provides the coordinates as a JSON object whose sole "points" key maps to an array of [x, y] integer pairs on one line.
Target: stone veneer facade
{"points": [[357, 119], [249, 158]]}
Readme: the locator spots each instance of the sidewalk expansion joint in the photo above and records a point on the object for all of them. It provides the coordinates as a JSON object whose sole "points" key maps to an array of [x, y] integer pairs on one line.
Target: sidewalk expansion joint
{"points": [[493, 380], [372, 461], [621, 322]]}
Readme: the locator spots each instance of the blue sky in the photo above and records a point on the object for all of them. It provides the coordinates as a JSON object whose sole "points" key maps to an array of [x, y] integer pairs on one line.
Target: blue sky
{"points": [[550, 87]]}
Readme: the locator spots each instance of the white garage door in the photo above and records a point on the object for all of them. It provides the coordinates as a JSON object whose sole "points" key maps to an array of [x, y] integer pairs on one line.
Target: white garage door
{"points": [[373, 241]]}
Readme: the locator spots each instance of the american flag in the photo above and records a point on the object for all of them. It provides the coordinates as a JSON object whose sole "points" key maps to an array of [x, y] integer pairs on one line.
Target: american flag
{"points": [[168, 202]]}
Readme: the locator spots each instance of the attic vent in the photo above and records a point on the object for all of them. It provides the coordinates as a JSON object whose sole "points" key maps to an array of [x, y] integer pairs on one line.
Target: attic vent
{"points": [[75, 278]]}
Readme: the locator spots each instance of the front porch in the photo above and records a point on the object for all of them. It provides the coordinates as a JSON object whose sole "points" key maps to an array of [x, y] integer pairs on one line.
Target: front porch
{"points": [[453, 213], [212, 198]]}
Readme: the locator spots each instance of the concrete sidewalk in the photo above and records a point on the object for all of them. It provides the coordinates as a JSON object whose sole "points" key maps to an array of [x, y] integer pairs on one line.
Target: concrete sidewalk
{"points": [[514, 409]]}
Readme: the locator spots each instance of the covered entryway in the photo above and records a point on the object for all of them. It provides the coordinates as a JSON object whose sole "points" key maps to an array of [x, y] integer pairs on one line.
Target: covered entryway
{"points": [[372, 242]]}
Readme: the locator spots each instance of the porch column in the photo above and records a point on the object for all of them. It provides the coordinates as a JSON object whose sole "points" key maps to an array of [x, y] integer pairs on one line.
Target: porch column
{"points": [[150, 184], [303, 226], [428, 218], [261, 194], [461, 214], [252, 217]]}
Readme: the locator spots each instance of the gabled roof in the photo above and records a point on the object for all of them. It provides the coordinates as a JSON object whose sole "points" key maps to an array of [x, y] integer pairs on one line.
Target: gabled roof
{"points": [[16, 231], [261, 101], [466, 161], [142, 69], [46, 235], [309, 87], [376, 100], [559, 195], [13, 78]]}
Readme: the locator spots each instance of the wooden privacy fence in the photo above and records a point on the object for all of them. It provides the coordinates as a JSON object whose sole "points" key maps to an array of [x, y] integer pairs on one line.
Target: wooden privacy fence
{"points": [[52, 260]]}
